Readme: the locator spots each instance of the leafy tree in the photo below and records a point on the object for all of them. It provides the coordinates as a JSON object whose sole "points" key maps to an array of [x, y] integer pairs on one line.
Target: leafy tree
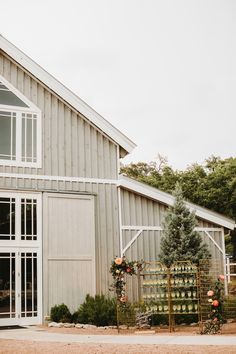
{"points": [[180, 241]]}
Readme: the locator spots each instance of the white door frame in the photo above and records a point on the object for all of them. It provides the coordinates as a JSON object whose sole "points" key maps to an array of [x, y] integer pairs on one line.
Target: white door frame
{"points": [[19, 246]]}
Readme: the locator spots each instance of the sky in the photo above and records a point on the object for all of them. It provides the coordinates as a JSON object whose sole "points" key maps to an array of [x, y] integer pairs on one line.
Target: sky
{"points": [[161, 71]]}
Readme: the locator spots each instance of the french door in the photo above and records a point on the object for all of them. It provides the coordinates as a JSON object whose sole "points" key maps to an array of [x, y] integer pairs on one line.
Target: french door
{"points": [[20, 258]]}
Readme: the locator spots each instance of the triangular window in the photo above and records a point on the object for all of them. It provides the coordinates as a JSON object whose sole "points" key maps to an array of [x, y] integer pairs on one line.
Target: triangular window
{"points": [[8, 97]]}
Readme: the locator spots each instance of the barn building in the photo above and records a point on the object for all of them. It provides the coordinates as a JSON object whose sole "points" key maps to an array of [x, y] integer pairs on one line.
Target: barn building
{"points": [[64, 210]]}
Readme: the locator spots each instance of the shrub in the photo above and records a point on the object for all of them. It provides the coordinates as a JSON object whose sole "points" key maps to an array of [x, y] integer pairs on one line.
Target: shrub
{"points": [[98, 310], [60, 313]]}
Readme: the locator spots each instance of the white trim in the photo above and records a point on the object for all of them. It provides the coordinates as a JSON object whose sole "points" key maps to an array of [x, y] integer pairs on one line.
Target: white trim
{"points": [[144, 228], [59, 178], [32, 108], [208, 228], [215, 243], [120, 221], [141, 228], [66, 94], [224, 261], [168, 199], [131, 242]]}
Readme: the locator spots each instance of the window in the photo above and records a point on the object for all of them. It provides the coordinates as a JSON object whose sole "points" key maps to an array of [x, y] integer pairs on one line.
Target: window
{"points": [[20, 128], [18, 217], [7, 218]]}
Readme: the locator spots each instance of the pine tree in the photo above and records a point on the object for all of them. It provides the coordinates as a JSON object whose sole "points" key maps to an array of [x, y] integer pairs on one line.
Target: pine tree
{"points": [[180, 241]]}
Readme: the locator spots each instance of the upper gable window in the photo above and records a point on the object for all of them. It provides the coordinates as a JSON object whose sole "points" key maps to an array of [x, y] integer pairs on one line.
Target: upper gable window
{"points": [[20, 128]]}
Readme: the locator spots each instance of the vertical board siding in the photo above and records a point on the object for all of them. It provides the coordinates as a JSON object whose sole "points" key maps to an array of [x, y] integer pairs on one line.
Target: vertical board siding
{"points": [[71, 146], [141, 211]]}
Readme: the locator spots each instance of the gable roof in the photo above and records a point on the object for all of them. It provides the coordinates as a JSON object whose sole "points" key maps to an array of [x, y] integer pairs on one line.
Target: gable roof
{"points": [[62, 91], [168, 199]]}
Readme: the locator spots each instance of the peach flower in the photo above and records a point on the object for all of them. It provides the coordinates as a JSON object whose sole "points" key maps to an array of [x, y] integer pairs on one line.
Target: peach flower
{"points": [[221, 277], [118, 261], [210, 293], [215, 303]]}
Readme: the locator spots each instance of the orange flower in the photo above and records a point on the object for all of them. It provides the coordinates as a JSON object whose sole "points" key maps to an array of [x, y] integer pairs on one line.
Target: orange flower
{"points": [[118, 261], [124, 299], [215, 303]]}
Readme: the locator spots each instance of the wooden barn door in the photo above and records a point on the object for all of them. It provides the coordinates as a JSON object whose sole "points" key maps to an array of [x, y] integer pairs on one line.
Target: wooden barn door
{"points": [[69, 252]]}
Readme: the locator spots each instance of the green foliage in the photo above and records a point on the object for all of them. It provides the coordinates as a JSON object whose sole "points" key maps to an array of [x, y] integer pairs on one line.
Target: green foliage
{"points": [[214, 323], [98, 310], [126, 314], [60, 313], [180, 242], [211, 185]]}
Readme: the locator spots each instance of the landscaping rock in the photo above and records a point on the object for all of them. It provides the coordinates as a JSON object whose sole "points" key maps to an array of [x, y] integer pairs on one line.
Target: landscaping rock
{"points": [[59, 325], [89, 326], [52, 324], [79, 325], [69, 325]]}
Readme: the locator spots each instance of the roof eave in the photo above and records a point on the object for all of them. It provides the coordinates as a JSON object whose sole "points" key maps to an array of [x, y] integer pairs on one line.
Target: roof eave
{"points": [[168, 199]]}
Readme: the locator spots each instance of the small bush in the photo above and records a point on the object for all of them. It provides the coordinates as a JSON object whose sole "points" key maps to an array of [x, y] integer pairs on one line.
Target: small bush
{"points": [[60, 313], [98, 310]]}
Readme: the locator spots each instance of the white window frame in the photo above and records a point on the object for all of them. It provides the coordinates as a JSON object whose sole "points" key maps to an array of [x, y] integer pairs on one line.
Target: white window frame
{"points": [[34, 110]]}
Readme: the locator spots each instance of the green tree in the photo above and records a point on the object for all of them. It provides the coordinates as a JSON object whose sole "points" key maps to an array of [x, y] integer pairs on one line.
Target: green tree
{"points": [[180, 242]]}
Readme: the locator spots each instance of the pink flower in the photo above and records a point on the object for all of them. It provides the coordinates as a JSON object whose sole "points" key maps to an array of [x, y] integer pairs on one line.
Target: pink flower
{"points": [[210, 293], [215, 303], [215, 319], [118, 261], [221, 277], [128, 270]]}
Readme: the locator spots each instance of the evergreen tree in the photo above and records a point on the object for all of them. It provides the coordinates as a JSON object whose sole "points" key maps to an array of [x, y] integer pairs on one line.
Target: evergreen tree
{"points": [[180, 241]]}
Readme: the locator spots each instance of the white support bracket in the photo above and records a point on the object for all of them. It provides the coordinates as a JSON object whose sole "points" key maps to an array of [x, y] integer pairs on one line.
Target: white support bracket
{"points": [[131, 241], [215, 243]]}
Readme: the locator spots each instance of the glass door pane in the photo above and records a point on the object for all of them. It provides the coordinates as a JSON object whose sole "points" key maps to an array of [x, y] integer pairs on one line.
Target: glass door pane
{"points": [[29, 286], [7, 285]]}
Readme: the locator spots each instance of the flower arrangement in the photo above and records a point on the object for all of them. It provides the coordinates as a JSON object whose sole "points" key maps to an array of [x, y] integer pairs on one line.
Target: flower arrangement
{"points": [[120, 266], [215, 299]]}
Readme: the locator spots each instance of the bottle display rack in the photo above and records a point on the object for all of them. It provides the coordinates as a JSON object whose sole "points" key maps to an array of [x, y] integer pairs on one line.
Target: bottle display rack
{"points": [[170, 291]]}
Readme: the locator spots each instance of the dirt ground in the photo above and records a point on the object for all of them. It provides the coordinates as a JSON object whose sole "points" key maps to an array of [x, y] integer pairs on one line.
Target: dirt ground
{"points": [[31, 347]]}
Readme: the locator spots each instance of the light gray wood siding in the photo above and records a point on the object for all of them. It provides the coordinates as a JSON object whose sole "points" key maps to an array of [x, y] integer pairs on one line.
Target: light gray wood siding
{"points": [[71, 146], [142, 211]]}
